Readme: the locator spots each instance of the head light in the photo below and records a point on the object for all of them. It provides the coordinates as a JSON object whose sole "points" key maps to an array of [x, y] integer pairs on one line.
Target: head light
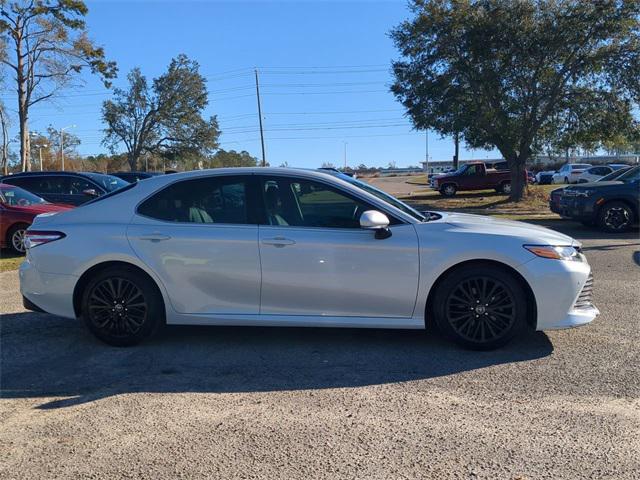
{"points": [[555, 252]]}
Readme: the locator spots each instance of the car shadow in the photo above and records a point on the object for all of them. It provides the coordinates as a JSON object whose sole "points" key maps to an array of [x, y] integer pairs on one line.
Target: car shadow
{"points": [[48, 356]]}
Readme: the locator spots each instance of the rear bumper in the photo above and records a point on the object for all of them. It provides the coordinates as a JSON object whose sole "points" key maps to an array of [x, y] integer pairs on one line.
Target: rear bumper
{"points": [[51, 293]]}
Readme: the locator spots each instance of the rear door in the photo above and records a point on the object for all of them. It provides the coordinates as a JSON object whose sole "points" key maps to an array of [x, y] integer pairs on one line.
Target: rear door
{"points": [[318, 262], [201, 238]]}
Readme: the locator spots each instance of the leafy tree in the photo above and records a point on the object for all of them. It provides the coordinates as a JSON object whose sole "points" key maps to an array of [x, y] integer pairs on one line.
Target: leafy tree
{"points": [[516, 74], [44, 43], [164, 119], [231, 158]]}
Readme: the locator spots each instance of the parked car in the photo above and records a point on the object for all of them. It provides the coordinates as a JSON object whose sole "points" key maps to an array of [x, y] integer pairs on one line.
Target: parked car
{"points": [[556, 195], [595, 173], [473, 176], [17, 210], [135, 176], [545, 178], [570, 172], [295, 247], [70, 188], [612, 205], [531, 177]]}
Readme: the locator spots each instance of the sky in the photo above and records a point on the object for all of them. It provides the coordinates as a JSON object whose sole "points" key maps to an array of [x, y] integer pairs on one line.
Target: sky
{"points": [[324, 72]]}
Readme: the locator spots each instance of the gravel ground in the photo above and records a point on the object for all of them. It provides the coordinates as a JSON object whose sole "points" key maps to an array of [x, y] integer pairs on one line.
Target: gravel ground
{"points": [[308, 403]]}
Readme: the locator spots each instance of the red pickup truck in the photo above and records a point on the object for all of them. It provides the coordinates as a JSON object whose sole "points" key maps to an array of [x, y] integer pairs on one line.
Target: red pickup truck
{"points": [[474, 176]]}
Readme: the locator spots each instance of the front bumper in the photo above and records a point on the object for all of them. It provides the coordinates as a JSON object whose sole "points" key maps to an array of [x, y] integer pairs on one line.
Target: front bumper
{"points": [[580, 208], [559, 288], [51, 293]]}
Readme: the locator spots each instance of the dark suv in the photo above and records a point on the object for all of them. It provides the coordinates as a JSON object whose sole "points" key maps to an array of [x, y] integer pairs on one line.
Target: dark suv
{"points": [[70, 188], [613, 205]]}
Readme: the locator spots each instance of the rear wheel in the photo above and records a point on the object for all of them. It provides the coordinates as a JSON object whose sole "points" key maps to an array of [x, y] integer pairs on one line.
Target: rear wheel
{"points": [[615, 217], [505, 188], [15, 238], [480, 307], [122, 306], [448, 190]]}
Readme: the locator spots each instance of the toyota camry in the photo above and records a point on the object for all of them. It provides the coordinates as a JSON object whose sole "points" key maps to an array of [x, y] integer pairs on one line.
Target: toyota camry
{"points": [[294, 247]]}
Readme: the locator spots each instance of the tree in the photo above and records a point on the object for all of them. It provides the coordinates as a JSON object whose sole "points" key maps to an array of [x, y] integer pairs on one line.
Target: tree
{"points": [[513, 75], [48, 145], [231, 158], [45, 45], [165, 118], [4, 126]]}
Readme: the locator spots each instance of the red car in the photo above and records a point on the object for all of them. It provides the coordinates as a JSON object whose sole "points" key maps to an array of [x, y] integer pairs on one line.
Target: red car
{"points": [[17, 210]]}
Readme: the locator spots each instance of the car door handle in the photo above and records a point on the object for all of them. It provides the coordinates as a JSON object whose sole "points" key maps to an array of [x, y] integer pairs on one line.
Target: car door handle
{"points": [[278, 241], [154, 237]]}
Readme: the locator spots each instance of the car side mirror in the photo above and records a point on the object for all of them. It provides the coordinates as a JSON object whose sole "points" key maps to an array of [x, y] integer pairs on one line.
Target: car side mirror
{"points": [[90, 192], [378, 221]]}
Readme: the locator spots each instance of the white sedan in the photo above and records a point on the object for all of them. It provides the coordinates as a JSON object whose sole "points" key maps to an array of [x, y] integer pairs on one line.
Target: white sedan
{"points": [[288, 247], [593, 174], [570, 172]]}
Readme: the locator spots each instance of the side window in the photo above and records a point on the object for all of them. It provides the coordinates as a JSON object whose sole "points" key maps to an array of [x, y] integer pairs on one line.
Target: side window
{"points": [[78, 185], [202, 200], [307, 203], [472, 170]]}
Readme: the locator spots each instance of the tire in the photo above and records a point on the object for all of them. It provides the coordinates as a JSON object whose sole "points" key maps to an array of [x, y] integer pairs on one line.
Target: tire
{"points": [[505, 187], [448, 190], [122, 307], [15, 238], [615, 217], [466, 299]]}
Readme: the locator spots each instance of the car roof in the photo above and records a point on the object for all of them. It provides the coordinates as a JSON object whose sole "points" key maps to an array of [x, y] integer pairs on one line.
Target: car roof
{"points": [[52, 172]]}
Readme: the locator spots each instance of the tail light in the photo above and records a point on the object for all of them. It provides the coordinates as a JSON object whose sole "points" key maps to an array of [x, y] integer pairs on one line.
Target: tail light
{"points": [[33, 238]]}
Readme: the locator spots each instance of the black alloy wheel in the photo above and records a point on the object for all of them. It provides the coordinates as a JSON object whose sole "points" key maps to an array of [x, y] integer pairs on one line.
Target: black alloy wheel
{"points": [[480, 307], [615, 217], [121, 307]]}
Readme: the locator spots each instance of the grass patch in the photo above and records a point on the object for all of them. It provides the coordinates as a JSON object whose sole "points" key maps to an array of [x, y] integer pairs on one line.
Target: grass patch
{"points": [[487, 202], [9, 261]]}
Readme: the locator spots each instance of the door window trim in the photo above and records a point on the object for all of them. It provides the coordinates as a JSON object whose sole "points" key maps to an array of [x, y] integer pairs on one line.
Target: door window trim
{"points": [[262, 217], [251, 192]]}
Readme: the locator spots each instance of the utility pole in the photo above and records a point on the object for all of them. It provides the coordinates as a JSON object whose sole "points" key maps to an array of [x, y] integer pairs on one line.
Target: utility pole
{"points": [[456, 140], [427, 153], [40, 147], [264, 160], [345, 156]]}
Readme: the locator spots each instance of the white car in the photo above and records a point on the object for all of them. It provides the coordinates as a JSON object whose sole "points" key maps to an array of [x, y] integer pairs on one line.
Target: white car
{"points": [[293, 247], [570, 172], [593, 174]]}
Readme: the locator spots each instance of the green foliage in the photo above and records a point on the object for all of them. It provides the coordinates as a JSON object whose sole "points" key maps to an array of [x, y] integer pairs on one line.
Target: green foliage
{"points": [[164, 119], [521, 74], [231, 158]]}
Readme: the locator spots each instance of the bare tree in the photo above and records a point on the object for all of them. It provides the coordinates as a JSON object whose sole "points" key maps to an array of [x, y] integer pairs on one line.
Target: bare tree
{"points": [[45, 45]]}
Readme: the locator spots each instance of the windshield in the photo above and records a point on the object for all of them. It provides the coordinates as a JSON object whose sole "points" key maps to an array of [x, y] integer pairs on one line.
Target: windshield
{"points": [[17, 197], [630, 175], [382, 196], [108, 182], [613, 175]]}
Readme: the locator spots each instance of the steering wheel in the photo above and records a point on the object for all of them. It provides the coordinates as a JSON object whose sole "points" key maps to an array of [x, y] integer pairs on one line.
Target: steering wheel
{"points": [[23, 202]]}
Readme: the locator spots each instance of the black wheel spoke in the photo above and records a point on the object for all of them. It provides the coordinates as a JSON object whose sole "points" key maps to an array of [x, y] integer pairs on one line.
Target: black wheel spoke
{"points": [[481, 309], [118, 307]]}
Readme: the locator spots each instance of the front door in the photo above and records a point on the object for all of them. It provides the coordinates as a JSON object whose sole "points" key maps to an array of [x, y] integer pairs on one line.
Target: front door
{"points": [[199, 237], [317, 261]]}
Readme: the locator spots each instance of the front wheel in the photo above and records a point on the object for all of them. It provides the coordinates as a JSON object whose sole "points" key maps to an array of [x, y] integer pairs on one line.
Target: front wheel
{"points": [[480, 307], [615, 217], [122, 307], [506, 188]]}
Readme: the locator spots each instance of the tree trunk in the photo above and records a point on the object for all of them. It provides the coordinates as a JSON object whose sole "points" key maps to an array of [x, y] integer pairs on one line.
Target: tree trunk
{"points": [[518, 182], [132, 159], [23, 108], [5, 142]]}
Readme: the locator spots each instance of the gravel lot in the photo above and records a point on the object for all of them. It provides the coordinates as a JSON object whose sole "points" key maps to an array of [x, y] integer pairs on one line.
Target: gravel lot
{"points": [[308, 403]]}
